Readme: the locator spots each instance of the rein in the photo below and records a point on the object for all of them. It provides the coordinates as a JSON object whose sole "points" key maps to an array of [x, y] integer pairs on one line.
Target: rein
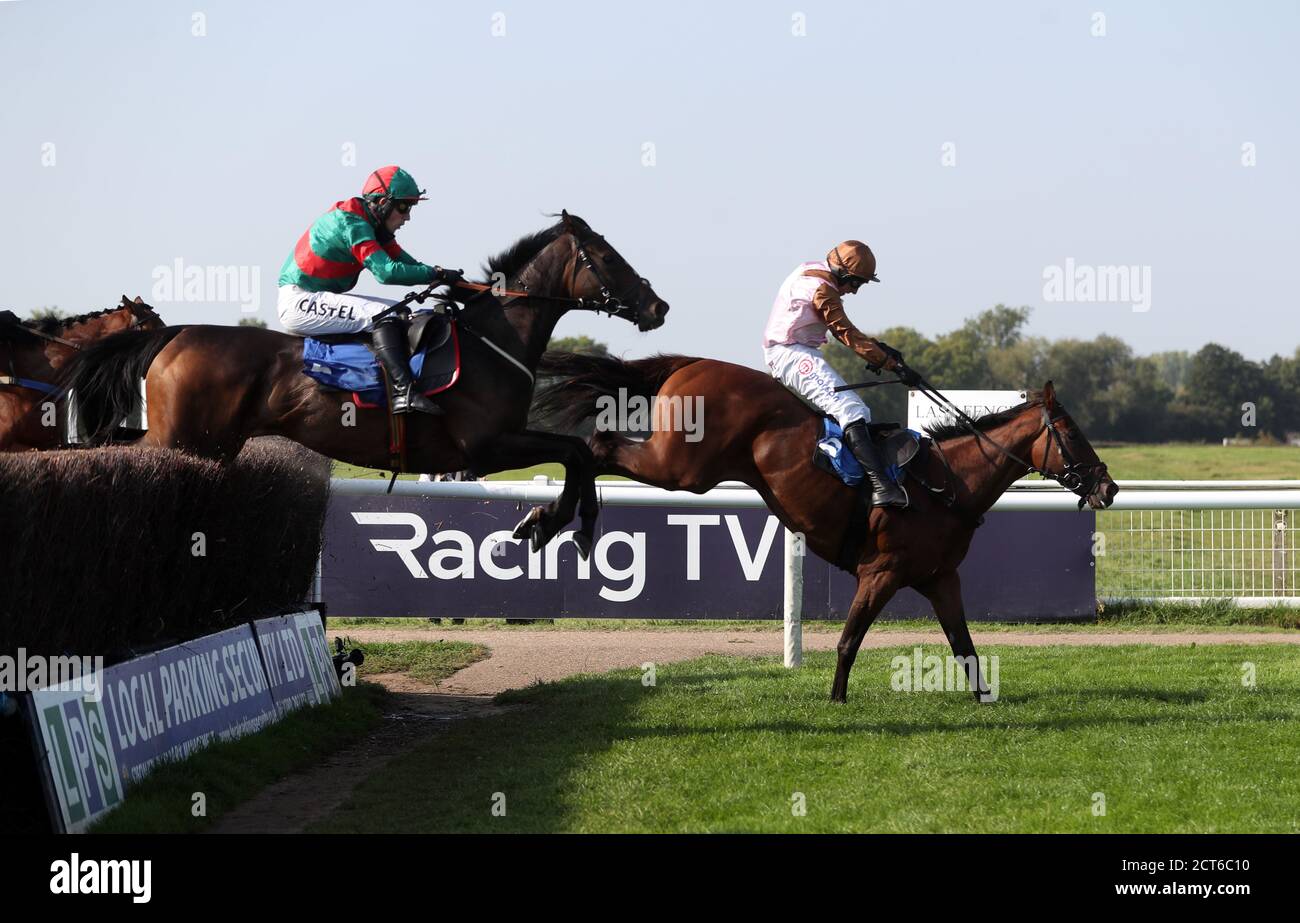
{"points": [[608, 303], [49, 336], [31, 384], [1074, 477], [136, 321]]}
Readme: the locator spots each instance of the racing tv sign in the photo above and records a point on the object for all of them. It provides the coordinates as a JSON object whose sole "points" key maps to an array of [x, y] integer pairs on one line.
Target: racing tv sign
{"points": [[428, 556]]}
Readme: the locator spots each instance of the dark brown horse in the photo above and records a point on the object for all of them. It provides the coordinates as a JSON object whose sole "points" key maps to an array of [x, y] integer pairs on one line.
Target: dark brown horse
{"points": [[755, 431], [32, 357], [210, 389]]}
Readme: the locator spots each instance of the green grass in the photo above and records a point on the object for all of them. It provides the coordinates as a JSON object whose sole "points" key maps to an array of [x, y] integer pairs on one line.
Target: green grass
{"points": [[231, 772], [426, 661], [1186, 461], [1168, 735]]}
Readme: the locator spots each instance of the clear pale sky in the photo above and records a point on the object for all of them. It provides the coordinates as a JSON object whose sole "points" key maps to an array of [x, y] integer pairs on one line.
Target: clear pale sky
{"points": [[769, 148]]}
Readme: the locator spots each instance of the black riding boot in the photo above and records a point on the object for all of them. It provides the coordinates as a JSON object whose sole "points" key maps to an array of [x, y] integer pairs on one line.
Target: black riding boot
{"points": [[885, 491], [389, 337]]}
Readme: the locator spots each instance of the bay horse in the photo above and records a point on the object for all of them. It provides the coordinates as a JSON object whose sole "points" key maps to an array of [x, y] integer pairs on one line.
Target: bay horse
{"points": [[209, 389], [756, 431], [32, 357]]}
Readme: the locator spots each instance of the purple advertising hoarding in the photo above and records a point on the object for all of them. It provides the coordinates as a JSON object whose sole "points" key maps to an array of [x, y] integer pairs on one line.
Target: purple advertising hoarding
{"points": [[172, 702], [98, 742], [295, 655], [432, 557]]}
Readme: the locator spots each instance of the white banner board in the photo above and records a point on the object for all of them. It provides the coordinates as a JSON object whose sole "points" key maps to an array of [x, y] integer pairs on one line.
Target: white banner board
{"points": [[923, 412]]}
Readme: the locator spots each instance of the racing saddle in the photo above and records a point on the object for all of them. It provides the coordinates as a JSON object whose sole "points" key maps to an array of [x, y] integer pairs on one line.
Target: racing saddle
{"points": [[346, 361], [896, 446]]}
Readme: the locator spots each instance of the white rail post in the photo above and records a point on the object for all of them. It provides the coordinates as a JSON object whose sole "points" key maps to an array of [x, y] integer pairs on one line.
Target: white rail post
{"points": [[793, 605]]}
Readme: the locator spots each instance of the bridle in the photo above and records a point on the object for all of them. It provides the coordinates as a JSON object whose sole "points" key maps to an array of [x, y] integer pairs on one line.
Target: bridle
{"points": [[623, 306], [610, 303], [1076, 477], [31, 384]]}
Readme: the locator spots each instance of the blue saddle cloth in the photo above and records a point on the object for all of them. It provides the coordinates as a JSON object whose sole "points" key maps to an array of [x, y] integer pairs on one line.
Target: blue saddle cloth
{"points": [[831, 449], [350, 367], [833, 454]]}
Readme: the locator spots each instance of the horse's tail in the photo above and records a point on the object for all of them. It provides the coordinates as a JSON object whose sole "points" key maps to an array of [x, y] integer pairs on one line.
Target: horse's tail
{"points": [[106, 377], [580, 380]]}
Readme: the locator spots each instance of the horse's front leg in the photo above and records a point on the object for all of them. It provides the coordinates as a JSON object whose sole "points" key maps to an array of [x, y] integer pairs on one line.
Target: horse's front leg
{"points": [[521, 450], [874, 591], [944, 593]]}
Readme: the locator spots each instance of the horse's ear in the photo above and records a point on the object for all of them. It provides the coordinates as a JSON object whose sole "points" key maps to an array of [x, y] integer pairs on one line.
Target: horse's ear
{"points": [[1049, 396], [126, 302], [567, 218], [139, 300]]}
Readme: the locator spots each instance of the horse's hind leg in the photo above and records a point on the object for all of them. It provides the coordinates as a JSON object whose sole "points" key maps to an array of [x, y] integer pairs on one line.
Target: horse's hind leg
{"points": [[944, 593], [520, 450], [874, 591], [663, 460], [192, 415]]}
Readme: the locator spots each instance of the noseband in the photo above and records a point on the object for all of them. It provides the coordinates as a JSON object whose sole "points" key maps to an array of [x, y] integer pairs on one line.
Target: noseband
{"points": [[614, 305], [1075, 476]]}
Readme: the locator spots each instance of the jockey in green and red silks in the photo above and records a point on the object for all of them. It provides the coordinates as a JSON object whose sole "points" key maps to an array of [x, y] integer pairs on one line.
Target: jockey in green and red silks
{"points": [[356, 234]]}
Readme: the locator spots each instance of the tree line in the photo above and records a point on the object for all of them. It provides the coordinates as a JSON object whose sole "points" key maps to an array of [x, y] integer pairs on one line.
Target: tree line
{"points": [[1113, 394]]}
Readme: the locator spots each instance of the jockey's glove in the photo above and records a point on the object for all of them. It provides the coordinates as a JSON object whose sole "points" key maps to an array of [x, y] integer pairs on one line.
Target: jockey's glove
{"points": [[893, 357], [906, 375], [447, 276]]}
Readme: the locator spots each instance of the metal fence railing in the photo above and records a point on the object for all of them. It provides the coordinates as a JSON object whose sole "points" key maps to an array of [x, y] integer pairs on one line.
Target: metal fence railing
{"points": [[1246, 555]]}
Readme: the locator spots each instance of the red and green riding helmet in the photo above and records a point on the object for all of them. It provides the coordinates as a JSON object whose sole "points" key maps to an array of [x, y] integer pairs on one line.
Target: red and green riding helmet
{"points": [[393, 184]]}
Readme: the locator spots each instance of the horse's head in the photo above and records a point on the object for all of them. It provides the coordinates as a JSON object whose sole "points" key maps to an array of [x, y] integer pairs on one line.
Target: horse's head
{"points": [[600, 274], [142, 315], [1066, 455]]}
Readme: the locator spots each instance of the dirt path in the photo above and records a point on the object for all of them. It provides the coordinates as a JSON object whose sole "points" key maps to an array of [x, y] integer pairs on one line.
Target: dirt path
{"points": [[521, 657], [419, 712]]}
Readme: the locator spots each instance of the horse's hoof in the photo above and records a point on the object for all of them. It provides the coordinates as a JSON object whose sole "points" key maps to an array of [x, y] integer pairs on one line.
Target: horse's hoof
{"points": [[526, 525], [536, 540], [583, 544]]}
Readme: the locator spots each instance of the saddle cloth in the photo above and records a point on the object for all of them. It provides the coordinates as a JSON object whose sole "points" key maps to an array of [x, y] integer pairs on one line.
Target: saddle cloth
{"points": [[896, 445], [346, 362]]}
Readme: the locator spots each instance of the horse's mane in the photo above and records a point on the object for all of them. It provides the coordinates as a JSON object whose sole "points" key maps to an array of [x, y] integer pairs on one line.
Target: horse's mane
{"points": [[52, 325], [510, 261], [942, 431]]}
